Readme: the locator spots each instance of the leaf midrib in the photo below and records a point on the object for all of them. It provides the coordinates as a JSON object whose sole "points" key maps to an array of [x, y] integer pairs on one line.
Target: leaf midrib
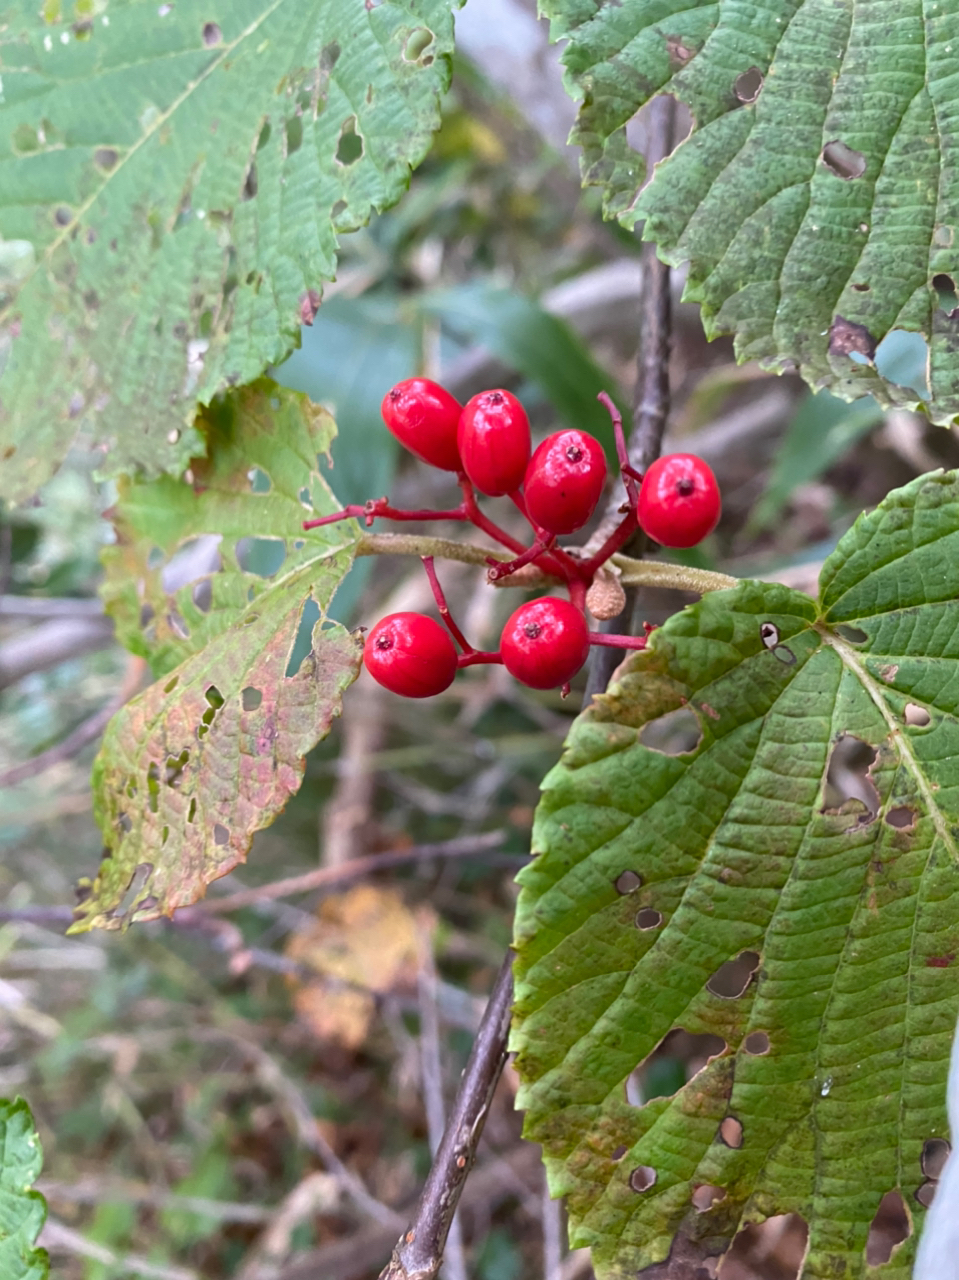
{"points": [[850, 660]]}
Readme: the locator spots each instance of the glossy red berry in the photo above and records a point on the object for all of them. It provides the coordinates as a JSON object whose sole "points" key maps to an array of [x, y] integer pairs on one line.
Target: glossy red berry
{"points": [[494, 442], [679, 501], [564, 481], [545, 643], [424, 418], [410, 654]]}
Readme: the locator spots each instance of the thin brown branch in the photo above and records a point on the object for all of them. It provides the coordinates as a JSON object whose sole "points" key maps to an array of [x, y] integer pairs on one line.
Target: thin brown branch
{"points": [[418, 1254], [459, 847], [651, 400]]}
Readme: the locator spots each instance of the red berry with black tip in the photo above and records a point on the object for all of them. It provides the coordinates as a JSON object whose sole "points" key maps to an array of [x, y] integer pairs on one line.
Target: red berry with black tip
{"points": [[494, 442], [564, 481], [545, 643], [410, 654], [424, 417], [679, 501]]}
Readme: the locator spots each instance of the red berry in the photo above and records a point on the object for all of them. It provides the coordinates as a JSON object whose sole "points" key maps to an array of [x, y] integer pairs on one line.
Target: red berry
{"points": [[494, 442], [679, 500], [424, 416], [564, 480], [545, 643], [410, 654]]}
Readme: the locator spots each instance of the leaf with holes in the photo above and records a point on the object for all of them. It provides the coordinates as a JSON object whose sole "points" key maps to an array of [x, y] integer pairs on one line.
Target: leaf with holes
{"points": [[817, 199], [664, 857], [172, 181], [22, 1211], [220, 587]]}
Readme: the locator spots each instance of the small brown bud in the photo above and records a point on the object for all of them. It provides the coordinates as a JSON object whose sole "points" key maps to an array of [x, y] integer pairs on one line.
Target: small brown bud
{"points": [[606, 597]]}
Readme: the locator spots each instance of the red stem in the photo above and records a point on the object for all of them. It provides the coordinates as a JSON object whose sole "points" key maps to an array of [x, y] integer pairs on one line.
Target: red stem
{"points": [[477, 656], [627, 470], [503, 568], [617, 642], [618, 538], [379, 508], [443, 607]]}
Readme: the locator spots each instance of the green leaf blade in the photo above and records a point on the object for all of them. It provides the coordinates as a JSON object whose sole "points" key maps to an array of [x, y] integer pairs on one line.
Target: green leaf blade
{"points": [[838, 168], [22, 1211], [179, 184], [251, 668], [733, 846]]}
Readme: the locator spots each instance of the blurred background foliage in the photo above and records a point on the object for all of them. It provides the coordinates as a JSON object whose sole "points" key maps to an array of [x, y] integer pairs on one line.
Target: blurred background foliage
{"points": [[242, 1096]]}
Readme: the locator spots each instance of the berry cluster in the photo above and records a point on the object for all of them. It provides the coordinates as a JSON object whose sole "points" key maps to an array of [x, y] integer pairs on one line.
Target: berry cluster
{"points": [[486, 442]]}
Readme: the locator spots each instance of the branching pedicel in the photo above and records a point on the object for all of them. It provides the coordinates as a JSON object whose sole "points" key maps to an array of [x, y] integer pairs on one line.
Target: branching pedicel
{"points": [[487, 443]]}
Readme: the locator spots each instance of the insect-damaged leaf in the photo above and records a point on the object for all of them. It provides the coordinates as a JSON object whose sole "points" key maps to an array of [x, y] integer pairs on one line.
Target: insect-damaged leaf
{"points": [[211, 752], [172, 181], [817, 199], [22, 1211], [658, 867]]}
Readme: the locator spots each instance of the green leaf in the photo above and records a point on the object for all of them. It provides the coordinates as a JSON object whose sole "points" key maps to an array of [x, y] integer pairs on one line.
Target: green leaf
{"points": [[816, 199], [659, 862], [538, 345], [172, 179], [22, 1211], [214, 583]]}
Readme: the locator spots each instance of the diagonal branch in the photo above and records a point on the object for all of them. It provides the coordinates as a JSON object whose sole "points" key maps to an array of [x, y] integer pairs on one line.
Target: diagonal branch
{"points": [[418, 1254]]}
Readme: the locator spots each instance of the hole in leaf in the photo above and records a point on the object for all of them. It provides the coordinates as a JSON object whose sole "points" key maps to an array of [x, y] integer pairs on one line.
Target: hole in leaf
{"points": [[642, 1178], [847, 338], [627, 882], [648, 918], [164, 835], [748, 85], [783, 1237], [220, 834], [146, 616], [171, 684], [250, 185], [902, 817], [155, 558], [294, 134], [194, 559], [262, 556], [756, 1044], [847, 776], [211, 34], [105, 158], [350, 146], [945, 288], [935, 1153], [731, 1132], [619, 1153], [705, 1196], [178, 625], [203, 594], [125, 823], [732, 978], [153, 787], [191, 812], [303, 644], [889, 1227], [855, 635], [251, 698], [138, 880], [214, 697], [175, 765], [304, 496], [844, 161], [674, 734], [916, 717], [417, 44], [926, 1193], [678, 1057], [260, 482], [903, 357]]}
